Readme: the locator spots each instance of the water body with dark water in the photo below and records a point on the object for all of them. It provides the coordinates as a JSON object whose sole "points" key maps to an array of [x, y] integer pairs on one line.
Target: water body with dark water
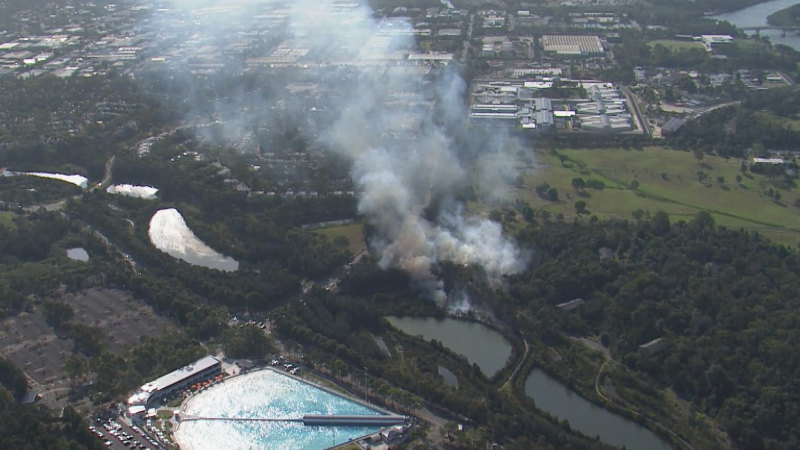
{"points": [[487, 348], [584, 416], [756, 15], [480, 344]]}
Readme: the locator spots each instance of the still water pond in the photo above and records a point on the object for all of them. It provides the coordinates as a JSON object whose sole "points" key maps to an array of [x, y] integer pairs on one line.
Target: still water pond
{"points": [[480, 344], [559, 401]]}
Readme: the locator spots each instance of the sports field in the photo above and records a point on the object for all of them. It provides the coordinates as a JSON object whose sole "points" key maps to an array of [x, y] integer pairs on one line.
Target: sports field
{"points": [[675, 45], [676, 182]]}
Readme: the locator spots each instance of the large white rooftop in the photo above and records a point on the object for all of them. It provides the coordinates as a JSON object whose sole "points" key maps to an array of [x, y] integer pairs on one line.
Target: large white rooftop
{"points": [[174, 377]]}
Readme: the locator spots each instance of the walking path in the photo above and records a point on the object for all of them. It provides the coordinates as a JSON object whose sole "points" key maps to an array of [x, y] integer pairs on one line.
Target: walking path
{"points": [[519, 364]]}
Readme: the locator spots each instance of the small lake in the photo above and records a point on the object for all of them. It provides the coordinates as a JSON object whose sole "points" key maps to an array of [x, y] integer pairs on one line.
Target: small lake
{"points": [[584, 416], [480, 344], [130, 190], [449, 377], [756, 15], [78, 254]]}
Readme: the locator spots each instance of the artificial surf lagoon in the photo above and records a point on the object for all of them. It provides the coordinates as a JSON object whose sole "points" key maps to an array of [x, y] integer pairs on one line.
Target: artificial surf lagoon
{"points": [[280, 399]]}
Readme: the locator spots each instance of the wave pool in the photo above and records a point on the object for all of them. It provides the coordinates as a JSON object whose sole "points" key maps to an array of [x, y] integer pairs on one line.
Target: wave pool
{"points": [[266, 394]]}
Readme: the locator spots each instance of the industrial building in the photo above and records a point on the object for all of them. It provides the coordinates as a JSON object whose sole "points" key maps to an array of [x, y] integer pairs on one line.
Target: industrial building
{"points": [[572, 45], [175, 381], [607, 109]]}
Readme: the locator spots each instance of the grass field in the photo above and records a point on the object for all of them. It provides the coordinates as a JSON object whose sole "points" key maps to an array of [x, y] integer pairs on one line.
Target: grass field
{"points": [[7, 220], [354, 233], [661, 179], [675, 46], [791, 123]]}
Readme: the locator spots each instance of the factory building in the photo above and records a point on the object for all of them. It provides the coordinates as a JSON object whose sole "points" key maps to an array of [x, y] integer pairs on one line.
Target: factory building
{"points": [[572, 45]]}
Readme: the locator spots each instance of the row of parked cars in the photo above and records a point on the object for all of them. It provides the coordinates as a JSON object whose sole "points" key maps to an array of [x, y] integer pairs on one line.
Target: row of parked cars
{"points": [[115, 430], [287, 366]]}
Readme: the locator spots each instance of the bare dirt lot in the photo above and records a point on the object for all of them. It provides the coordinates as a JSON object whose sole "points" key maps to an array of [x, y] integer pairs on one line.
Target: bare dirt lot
{"points": [[33, 346], [122, 318]]}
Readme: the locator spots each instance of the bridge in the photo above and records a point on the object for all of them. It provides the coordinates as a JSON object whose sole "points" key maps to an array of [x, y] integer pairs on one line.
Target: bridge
{"points": [[314, 420], [758, 28]]}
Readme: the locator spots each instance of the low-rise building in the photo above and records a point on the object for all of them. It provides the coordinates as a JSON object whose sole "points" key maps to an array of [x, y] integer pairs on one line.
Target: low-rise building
{"points": [[175, 381], [572, 45]]}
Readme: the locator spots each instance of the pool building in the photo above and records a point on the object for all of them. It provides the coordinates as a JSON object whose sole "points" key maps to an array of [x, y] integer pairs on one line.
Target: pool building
{"points": [[173, 382]]}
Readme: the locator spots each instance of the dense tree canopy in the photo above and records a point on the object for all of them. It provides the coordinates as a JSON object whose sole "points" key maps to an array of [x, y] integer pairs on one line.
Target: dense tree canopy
{"points": [[725, 301]]}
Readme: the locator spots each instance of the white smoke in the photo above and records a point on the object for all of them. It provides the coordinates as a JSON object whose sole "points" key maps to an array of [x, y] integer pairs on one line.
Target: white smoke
{"points": [[411, 150]]}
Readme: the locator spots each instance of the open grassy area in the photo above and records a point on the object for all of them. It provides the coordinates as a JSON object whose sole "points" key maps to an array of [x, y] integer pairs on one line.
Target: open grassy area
{"points": [[674, 45], [354, 233], [7, 220], [791, 123], [662, 179]]}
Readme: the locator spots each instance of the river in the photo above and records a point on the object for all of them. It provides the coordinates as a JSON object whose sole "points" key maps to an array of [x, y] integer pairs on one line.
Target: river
{"points": [[756, 15]]}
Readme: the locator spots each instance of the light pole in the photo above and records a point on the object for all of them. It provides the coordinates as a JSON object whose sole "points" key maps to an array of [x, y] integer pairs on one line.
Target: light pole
{"points": [[366, 386]]}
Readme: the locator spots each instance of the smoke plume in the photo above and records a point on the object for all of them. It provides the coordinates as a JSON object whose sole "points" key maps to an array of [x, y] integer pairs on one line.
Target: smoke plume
{"points": [[403, 126]]}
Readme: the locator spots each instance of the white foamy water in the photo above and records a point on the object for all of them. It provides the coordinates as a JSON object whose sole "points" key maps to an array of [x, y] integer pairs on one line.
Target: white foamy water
{"points": [[77, 180], [266, 394], [169, 233], [130, 190]]}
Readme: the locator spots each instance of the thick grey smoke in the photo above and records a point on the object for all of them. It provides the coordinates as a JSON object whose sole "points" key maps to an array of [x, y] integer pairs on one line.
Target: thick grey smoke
{"points": [[411, 150]]}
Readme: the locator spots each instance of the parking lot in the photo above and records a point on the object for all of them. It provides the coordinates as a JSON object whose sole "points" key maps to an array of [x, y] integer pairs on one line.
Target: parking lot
{"points": [[117, 434]]}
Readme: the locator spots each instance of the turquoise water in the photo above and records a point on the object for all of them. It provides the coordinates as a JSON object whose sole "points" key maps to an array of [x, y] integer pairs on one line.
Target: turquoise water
{"points": [[267, 394]]}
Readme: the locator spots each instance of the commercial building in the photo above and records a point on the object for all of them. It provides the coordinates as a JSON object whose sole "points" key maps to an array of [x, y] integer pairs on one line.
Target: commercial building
{"points": [[574, 45], [175, 381]]}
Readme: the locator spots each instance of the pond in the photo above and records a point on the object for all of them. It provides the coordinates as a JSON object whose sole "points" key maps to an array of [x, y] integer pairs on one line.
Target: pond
{"points": [[169, 233], [77, 180], [584, 416], [449, 377], [130, 190], [78, 254], [480, 344]]}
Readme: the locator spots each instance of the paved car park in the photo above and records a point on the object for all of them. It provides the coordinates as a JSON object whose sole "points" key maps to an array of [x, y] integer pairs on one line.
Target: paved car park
{"points": [[117, 434]]}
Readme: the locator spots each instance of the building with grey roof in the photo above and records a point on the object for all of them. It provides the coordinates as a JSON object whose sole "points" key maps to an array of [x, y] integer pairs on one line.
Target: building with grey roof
{"points": [[576, 45]]}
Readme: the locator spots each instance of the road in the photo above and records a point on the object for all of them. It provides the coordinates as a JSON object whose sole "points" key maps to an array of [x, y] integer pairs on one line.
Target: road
{"points": [[637, 114], [787, 79], [331, 283], [106, 176], [700, 111]]}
